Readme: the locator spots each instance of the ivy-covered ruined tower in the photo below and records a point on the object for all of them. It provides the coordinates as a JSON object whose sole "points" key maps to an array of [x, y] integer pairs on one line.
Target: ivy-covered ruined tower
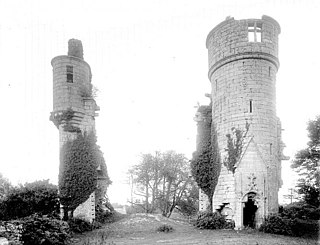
{"points": [[74, 108], [243, 63]]}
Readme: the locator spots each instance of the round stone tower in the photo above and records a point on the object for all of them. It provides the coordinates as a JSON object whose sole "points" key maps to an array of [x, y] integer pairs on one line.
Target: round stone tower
{"points": [[74, 108], [243, 62]]}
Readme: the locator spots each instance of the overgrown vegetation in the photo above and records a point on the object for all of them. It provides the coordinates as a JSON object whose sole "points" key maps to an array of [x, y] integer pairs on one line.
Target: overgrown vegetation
{"points": [[302, 218], [162, 180], [306, 164], [79, 225], [64, 117], [37, 197], [234, 147], [79, 160], [206, 163], [5, 187], [293, 220], [210, 220], [44, 230]]}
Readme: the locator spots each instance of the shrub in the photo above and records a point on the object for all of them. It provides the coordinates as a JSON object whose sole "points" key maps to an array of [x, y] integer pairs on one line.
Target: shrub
{"points": [[11, 230], [44, 230], [36, 197], [106, 214], [277, 224], [300, 211], [165, 228], [305, 227], [79, 225], [209, 220]]}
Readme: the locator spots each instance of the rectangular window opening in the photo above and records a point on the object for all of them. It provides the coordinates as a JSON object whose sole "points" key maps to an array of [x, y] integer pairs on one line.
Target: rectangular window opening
{"points": [[254, 32], [270, 148], [250, 106], [251, 36], [70, 74], [258, 37], [269, 71]]}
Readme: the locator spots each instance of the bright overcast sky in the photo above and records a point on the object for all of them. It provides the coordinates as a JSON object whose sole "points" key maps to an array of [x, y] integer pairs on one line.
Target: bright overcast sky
{"points": [[149, 62]]}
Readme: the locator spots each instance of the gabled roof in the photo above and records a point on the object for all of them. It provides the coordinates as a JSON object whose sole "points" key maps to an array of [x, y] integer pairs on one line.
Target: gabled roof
{"points": [[249, 141]]}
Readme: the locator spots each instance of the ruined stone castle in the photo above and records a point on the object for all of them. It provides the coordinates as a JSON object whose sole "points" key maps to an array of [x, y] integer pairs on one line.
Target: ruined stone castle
{"points": [[243, 63], [72, 92]]}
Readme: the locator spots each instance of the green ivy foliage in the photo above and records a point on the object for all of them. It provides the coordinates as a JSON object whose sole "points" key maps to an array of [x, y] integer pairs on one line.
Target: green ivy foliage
{"points": [[65, 117], [234, 149], [79, 161], [206, 164]]}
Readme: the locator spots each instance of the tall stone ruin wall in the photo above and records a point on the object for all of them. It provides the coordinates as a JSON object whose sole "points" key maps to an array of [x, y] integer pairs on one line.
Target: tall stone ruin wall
{"points": [[77, 96], [242, 73]]}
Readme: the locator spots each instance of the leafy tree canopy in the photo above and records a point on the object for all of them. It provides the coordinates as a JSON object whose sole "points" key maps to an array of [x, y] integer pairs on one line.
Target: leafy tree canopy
{"points": [[162, 179], [306, 164], [36, 197], [5, 186]]}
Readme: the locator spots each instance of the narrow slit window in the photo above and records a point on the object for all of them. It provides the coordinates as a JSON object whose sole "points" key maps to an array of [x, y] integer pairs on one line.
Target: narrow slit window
{"points": [[269, 71], [270, 148], [70, 74], [254, 32], [250, 106]]}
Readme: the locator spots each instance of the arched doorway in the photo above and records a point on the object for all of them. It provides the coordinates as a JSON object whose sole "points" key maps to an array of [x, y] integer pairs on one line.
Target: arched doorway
{"points": [[249, 211]]}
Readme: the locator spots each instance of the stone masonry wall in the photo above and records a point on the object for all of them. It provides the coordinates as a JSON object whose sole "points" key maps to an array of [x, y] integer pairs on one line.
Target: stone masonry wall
{"points": [[77, 96], [243, 76], [67, 94]]}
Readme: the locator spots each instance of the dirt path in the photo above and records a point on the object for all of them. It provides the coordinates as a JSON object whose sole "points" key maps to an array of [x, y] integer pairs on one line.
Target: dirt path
{"points": [[141, 229]]}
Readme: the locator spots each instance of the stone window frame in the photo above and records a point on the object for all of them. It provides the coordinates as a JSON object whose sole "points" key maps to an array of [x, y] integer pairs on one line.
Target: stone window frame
{"points": [[255, 32], [69, 70]]}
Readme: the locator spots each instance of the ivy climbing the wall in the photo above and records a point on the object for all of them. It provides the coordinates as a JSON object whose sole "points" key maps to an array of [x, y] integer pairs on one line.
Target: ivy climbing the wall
{"points": [[234, 147], [206, 164], [80, 161], [64, 117]]}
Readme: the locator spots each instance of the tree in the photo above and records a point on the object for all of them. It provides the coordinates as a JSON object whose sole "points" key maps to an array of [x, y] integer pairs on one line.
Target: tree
{"points": [[162, 180], [175, 175], [142, 177], [206, 163], [80, 162], [5, 187], [306, 164], [36, 197]]}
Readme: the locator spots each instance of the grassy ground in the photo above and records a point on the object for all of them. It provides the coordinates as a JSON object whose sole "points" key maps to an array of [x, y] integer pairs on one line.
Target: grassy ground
{"points": [[142, 229]]}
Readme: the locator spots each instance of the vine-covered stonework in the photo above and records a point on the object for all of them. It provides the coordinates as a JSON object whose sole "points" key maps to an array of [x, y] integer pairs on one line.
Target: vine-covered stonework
{"points": [[81, 166], [206, 164], [234, 147], [64, 117]]}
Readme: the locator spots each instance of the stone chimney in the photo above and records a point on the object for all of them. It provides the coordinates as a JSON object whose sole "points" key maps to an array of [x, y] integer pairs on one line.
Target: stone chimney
{"points": [[75, 48]]}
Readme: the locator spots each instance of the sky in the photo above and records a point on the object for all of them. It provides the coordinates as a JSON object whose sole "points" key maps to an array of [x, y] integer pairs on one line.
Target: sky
{"points": [[149, 62]]}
